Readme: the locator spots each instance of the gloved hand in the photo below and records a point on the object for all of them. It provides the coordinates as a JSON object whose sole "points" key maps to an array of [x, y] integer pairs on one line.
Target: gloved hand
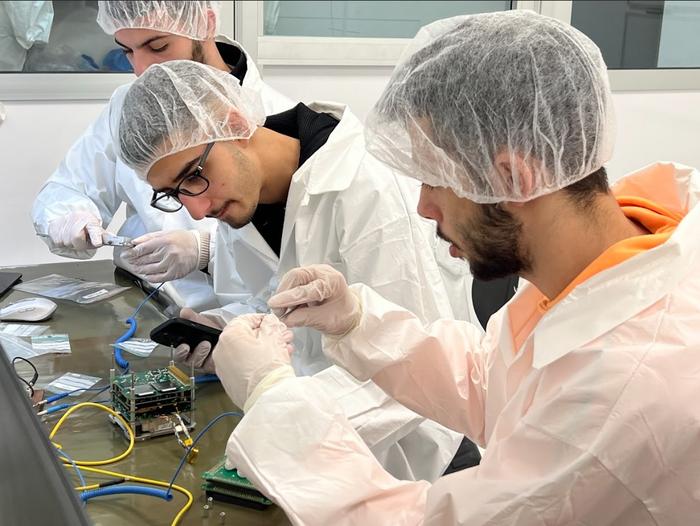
{"points": [[163, 255], [200, 356], [324, 299], [253, 354], [77, 231]]}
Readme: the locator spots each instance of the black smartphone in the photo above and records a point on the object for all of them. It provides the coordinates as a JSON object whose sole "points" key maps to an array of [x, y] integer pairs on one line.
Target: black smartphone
{"points": [[176, 331]]}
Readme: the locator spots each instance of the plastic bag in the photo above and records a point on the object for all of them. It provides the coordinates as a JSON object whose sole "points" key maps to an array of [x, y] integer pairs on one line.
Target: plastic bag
{"points": [[71, 289]]}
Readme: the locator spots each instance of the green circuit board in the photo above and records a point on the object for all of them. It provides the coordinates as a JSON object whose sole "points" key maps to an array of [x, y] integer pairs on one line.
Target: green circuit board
{"points": [[228, 486]]}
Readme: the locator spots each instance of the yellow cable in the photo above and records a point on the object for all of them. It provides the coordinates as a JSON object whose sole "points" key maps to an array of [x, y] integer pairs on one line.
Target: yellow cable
{"points": [[109, 410], [178, 517], [84, 464]]}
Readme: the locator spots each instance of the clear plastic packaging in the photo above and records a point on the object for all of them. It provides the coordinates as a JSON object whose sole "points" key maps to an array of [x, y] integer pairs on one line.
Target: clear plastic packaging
{"points": [[71, 289]]}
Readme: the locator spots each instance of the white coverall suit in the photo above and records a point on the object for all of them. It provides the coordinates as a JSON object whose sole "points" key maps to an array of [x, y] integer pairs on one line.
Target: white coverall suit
{"points": [[593, 420], [348, 210], [92, 179]]}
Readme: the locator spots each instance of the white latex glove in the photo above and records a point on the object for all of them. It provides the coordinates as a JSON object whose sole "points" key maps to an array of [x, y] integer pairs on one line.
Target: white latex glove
{"points": [[163, 255], [77, 231], [323, 299], [253, 354], [200, 356]]}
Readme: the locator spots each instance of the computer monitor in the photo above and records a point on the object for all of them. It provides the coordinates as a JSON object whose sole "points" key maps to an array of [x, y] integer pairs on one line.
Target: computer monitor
{"points": [[34, 487]]}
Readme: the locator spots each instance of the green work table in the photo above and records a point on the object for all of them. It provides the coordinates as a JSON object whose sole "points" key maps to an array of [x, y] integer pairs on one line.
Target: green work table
{"points": [[89, 435]]}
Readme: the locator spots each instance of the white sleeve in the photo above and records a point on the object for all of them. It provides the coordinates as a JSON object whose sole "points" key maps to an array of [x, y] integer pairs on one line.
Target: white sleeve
{"points": [[85, 181], [397, 350]]}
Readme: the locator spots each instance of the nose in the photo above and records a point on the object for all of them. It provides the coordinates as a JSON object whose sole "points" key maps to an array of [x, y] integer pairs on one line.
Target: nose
{"points": [[140, 60], [427, 208], [197, 206]]}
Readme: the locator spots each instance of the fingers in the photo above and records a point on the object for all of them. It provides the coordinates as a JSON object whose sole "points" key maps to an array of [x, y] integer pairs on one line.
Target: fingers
{"points": [[299, 295], [196, 358], [94, 233]]}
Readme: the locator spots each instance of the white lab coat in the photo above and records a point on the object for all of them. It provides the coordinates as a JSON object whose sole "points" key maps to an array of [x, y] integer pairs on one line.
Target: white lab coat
{"points": [[593, 420], [93, 179], [22, 24], [347, 209]]}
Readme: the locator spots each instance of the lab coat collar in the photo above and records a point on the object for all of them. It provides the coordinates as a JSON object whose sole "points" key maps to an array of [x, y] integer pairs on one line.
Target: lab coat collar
{"points": [[617, 294], [252, 76], [337, 173]]}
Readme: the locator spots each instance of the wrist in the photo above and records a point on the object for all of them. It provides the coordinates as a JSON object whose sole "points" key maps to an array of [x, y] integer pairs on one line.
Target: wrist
{"points": [[203, 247], [277, 375]]}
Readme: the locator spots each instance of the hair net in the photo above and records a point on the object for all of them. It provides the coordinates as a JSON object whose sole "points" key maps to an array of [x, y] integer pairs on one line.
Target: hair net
{"points": [[181, 104], [472, 91], [188, 19]]}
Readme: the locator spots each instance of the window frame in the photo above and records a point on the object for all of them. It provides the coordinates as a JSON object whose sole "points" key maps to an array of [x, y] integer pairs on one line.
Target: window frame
{"points": [[344, 51], [660, 79], [82, 86]]}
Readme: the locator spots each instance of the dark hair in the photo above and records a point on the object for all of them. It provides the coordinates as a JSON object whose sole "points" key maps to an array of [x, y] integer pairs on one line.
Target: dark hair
{"points": [[584, 191]]}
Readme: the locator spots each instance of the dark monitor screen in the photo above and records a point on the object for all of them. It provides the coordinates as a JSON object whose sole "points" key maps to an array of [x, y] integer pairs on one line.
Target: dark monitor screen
{"points": [[34, 487]]}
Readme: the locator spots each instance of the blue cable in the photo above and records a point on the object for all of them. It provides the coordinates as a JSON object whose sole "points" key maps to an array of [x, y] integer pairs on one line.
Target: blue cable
{"points": [[205, 378], [116, 490], [77, 469], [53, 398], [131, 321], [194, 443]]}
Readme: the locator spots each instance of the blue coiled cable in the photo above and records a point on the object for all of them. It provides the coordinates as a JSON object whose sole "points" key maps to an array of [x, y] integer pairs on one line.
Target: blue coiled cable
{"points": [[121, 489], [131, 321]]}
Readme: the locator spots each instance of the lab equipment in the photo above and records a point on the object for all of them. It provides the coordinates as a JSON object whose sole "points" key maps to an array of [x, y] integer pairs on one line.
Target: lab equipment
{"points": [[226, 485], [188, 19], [30, 458], [431, 124], [177, 331], [150, 400], [116, 241], [70, 289], [164, 112], [28, 309]]}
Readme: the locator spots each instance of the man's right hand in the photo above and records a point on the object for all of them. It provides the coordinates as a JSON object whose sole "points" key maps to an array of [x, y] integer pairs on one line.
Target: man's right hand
{"points": [[77, 231], [200, 356]]}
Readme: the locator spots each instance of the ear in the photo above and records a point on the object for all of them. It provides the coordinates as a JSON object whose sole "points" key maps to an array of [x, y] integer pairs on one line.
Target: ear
{"points": [[211, 23], [516, 174]]}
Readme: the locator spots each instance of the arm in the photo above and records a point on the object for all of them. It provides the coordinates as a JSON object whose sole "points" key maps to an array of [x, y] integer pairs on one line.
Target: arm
{"points": [[315, 466], [85, 181], [394, 348]]}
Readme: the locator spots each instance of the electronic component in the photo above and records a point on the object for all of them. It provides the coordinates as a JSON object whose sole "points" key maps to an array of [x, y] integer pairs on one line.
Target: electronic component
{"points": [[227, 486], [154, 402]]}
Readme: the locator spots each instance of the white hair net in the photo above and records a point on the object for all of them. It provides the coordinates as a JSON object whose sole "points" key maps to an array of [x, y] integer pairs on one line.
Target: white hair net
{"points": [[181, 104], [187, 19], [475, 91]]}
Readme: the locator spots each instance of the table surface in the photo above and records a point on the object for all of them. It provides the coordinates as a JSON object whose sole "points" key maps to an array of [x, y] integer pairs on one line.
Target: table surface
{"points": [[88, 435]]}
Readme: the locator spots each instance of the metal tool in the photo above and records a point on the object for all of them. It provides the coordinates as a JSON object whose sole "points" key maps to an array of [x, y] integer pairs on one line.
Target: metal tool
{"points": [[288, 312], [108, 239]]}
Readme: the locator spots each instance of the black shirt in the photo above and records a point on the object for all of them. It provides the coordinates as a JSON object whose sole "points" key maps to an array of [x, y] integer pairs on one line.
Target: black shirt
{"points": [[312, 129], [235, 58]]}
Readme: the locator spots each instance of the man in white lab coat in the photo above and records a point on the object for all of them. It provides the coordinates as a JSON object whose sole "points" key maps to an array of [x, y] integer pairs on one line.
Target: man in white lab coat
{"points": [[301, 189], [89, 186], [583, 390]]}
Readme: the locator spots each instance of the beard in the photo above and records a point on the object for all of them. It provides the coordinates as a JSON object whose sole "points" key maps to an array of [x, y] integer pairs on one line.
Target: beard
{"points": [[197, 52], [491, 243]]}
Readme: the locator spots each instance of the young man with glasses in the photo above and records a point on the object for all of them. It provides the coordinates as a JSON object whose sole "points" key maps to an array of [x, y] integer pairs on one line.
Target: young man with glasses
{"points": [[293, 189], [82, 196]]}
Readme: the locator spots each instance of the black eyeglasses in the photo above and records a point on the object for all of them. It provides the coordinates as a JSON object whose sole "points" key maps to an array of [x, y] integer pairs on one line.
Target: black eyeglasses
{"points": [[191, 185]]}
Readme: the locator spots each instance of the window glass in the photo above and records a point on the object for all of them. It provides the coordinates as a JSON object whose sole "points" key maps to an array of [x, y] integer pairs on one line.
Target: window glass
{"points": [[56, 37], [341, 18], [638, 34]]}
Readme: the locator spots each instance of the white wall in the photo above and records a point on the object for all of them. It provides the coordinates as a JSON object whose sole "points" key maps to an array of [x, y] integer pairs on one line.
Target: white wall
{"points": [[33, 140], [35, 136]]}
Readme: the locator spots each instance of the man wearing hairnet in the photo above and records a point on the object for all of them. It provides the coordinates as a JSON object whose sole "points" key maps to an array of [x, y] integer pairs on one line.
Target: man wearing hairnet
{"points": [[293, 189], [584, 388], [81, 197]]}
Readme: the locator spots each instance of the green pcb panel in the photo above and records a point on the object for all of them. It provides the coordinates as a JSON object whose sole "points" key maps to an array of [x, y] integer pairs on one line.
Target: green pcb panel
{"points": [[226, 485]]}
